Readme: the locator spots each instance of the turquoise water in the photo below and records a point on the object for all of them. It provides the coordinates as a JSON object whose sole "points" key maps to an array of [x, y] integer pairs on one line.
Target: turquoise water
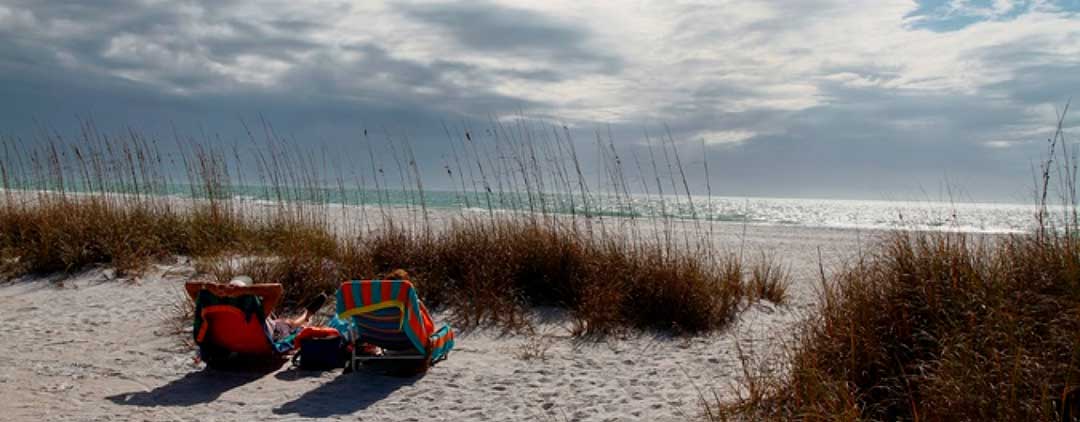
{"points": [[868, 214], [863, 214]]}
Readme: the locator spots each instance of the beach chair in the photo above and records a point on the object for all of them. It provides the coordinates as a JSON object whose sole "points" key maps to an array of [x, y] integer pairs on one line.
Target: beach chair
{"points": [[230, 323], [390, 315]]}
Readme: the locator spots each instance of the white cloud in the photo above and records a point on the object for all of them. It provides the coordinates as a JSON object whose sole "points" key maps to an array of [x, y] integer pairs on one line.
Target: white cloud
{"points": [[714, 137], [732, 72], [1000, 144], [774, 52]]}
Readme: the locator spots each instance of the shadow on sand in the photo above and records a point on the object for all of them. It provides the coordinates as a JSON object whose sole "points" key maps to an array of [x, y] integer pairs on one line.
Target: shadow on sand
{"points": [[194, 388], [346, 394]]}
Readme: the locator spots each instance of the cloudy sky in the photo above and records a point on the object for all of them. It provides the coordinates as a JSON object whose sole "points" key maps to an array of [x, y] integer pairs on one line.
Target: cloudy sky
{"points": [[820, 98]]}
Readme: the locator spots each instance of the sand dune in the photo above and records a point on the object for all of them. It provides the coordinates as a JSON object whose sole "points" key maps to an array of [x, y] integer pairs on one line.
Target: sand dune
{"points": [[93, 348]]}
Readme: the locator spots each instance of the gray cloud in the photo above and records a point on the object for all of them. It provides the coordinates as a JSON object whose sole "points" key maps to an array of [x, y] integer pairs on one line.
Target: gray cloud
{"points": [[1038, 75], [167, 46], [505, 30], [1040, 84], [205, 65]]}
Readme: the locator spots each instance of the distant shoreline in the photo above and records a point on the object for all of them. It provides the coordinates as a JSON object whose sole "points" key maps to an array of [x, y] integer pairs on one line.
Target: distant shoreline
{"points": [[968, 217]]}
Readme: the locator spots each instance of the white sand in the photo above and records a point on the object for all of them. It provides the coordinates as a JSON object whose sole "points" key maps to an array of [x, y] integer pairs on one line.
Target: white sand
{"points": [[90, 348]]}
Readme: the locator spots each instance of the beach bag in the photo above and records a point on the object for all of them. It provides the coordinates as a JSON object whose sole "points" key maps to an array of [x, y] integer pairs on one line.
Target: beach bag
{"points": [[321, 354]]}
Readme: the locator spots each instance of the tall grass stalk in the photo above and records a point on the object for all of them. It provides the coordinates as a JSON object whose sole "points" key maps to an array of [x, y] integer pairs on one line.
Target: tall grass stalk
{"points": [[542, 239]]}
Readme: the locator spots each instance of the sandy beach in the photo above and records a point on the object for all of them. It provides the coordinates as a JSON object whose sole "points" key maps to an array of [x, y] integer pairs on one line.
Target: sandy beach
{"points": [[859, 211], [91, 347]]}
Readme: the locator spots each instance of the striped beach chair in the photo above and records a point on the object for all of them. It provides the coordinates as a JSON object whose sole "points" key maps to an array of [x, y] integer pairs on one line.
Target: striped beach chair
{"points": [[390, 315]]}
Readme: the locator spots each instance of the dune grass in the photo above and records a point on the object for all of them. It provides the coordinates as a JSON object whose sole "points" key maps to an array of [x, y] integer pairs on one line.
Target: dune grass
{"points": [[494, 275], [540, 238], [935, 326], [939, 327]]}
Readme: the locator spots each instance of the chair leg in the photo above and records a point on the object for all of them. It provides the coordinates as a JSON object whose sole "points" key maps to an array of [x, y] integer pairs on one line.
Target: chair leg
{"points": [[352, 360]]}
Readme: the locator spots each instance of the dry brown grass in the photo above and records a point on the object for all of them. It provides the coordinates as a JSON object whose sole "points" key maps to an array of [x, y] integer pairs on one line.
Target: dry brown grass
{"points": [[68, 235], [111, 200], [940, 327], [769, 280], [489, 275], [63, 234]]}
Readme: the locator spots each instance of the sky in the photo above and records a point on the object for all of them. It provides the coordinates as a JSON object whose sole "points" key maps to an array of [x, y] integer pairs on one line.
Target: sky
{"points": [[882, 99]]}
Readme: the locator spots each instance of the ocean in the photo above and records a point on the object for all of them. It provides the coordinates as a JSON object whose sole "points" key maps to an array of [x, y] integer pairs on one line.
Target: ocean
{"points": [[821, 213], [988, 217]]}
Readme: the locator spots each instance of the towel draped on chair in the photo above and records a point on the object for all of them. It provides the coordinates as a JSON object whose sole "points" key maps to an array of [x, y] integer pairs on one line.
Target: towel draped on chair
{"points": [[390, 314]]}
